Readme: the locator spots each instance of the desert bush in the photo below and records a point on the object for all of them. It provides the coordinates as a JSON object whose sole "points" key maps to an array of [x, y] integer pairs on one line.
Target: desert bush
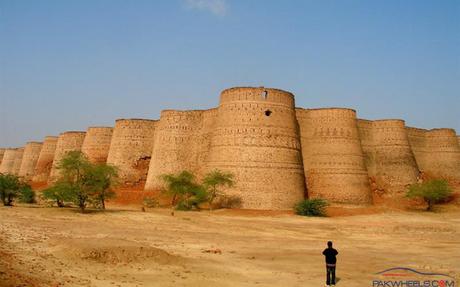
{"points": [[311, 207], [10, 186], [26, 194], [151, 202], [60, 192], [213, 180], [432, 192]]}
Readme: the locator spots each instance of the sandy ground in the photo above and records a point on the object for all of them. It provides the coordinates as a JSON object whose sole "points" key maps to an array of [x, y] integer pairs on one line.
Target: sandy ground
{"points": [[127, 247]]}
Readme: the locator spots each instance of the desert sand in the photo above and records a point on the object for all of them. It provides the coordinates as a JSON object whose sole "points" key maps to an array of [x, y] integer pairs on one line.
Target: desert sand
{"points": [[124, 246]]}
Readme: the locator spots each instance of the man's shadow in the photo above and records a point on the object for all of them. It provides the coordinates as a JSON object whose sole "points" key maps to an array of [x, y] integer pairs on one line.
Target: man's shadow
{"points": [[337, 279]]}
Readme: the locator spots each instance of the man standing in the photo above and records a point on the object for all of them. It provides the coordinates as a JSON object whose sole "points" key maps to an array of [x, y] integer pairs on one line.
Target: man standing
{"points": [[330, 254]]}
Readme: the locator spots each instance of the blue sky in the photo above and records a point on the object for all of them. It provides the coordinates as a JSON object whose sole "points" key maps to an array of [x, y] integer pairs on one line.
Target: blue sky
{"points": [[67, 65]]}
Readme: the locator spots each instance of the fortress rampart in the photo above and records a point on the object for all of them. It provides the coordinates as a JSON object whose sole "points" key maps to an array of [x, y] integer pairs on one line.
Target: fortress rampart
{"points": [[17, 161], [97, 143], [29, 159], [67, 141], [8, 160], [389, 159], [332, 155], [256, 138], [45, 159], [277, 153], [175, 145], [131, 148]]}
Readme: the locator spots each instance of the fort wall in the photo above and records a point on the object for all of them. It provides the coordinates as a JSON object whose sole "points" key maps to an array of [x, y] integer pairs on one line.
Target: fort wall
{"points": [[332, 156], [29, 159], [442, 158], [256, 138], [17, 161], [2, 152], [8, 161], [393, 167], [131, 149], [67, 141], [97, 144], [176, 145], [45, 159]]}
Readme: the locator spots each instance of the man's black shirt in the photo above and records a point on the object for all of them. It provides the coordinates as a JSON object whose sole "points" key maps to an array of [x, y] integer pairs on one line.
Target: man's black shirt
{"points": [[330, 254]]}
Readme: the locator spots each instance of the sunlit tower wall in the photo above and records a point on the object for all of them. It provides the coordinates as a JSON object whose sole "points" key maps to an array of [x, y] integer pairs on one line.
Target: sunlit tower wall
{"points": [[395, 165], [417, 142], [67, 141], [29, 159], [208, 124], [8, 161], [256, 138], [97, 144], [45, 159], [332, 156], [175, 146], [18, 161], [442, 154], [367, 144], [2, 152], [131, 149]]}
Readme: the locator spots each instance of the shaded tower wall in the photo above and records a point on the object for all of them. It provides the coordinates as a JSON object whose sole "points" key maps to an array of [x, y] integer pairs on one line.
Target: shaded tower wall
{"points": [[393, 167], [131, 149], [29, 159], [208, 124], [176, 145], [8, 161], [332, 156], [367, 144], [67, 141], [2, 152], [17, 161], [97, 144], [442, 157], [45, 159], [417, 141], [256, 138]]}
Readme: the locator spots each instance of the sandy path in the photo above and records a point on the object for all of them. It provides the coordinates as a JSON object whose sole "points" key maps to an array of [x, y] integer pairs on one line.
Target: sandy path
{"points": [[59, 247]]}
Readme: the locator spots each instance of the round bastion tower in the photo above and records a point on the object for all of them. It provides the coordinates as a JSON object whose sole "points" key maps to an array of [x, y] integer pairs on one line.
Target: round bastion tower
{"points": [[45, 159], [8, 160], [332, 156], [256, 138], [97, 143], [67, 141], [131, 148], [29, 160], [18, 161]]}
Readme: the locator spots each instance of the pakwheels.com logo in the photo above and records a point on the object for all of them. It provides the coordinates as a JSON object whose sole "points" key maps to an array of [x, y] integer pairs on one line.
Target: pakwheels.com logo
{"points": [[407, 277]]}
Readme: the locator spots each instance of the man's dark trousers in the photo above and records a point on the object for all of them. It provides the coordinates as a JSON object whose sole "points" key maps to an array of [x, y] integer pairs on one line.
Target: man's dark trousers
{"points": [[330, 279]]}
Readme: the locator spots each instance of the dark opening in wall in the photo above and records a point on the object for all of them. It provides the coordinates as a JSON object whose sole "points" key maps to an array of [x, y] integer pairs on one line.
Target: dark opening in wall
{"points": [[268, 113], [264, 95]]}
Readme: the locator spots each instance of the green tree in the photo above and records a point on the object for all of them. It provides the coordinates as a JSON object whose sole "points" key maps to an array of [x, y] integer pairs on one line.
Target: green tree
{"points": [[215, 179], [311, 207], [59, 192], [184, 191], [10, 186], [432, 192], [99, 179], [26, 194]]}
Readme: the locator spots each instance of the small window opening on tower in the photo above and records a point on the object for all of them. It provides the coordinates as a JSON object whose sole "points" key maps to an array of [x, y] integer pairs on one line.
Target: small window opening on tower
{"points": [[268, 113], [264, 95]]}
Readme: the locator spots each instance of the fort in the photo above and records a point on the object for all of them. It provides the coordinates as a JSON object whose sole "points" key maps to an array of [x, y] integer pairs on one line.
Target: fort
{"points": [[279, 153]]}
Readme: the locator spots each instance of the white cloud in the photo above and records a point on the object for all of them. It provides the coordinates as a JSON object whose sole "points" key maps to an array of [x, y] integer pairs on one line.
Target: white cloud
{"points": [[216, 7]]}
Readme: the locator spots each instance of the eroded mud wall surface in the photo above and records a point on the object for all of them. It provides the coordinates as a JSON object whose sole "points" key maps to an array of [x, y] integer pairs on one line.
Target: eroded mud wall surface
{"points": [[8, 161], [97, 144], [256, 138], [29, 159], [45, 159], [67, 141], [332, 156], [131, 149], [176, 146]]}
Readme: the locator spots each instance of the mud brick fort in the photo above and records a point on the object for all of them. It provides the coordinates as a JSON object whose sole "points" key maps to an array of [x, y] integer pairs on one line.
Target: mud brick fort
{"points": [[279, 154]]}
